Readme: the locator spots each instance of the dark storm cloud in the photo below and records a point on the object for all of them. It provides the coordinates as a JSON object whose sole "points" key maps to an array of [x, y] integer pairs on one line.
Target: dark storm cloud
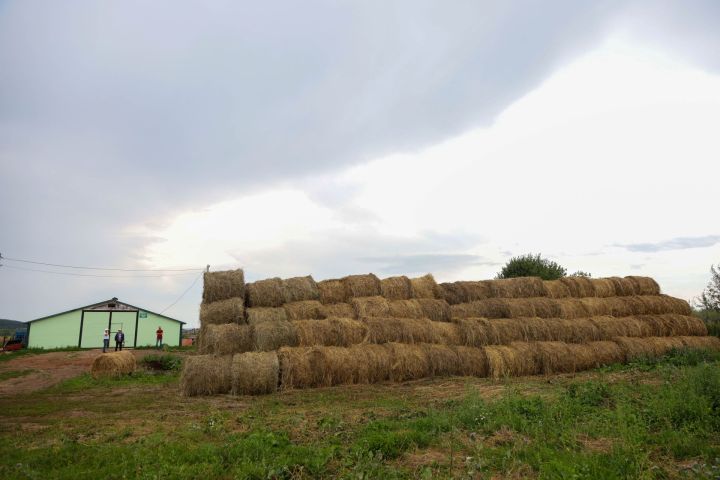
{"points": [[678, 243], [121, 113]]}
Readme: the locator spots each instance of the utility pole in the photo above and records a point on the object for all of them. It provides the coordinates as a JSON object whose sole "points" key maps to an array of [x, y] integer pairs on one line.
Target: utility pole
{"points": [[207, 268]]}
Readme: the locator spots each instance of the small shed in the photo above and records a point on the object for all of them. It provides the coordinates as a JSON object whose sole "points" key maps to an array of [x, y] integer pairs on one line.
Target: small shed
{"points": [[83, 327]]}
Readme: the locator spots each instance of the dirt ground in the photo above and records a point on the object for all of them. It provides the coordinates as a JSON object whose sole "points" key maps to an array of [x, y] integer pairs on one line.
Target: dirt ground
{"points": [[49, 369]]}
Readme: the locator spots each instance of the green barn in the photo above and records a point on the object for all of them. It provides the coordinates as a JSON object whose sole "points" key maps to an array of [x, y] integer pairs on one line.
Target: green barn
{"points": [[83, 327]]}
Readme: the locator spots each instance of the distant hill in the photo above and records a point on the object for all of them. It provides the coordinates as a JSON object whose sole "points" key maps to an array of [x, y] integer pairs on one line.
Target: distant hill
{"points": [[11, 324]]}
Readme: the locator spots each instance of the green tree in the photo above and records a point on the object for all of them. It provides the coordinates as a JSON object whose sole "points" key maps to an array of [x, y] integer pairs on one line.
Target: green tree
{"points": [[710, 297], [580, 273], [532, 266]]}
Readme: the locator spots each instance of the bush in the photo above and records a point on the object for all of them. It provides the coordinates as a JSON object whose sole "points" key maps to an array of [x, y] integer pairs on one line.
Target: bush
{"points": [[161, 362], [532, 266]]}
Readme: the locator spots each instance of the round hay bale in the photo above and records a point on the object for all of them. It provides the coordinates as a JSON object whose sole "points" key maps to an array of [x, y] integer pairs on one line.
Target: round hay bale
{"points": [[579, 287], [254, 373], [361, 286], [478, 332], [623, 287], [596, 306], [604, 287], [223, 285], [266, 293], [273, 335], [409, 362], [113, 364], [231, 310], [446, 333], [227, 339], [257, 315], [553, 357], [676, 305], [465, 291], [334, 366], [695, 326], [339, 310], [375, 306], [520, 307], [442, 360], [453, 293], [609, 327], [332, 291], [304, 310], [401, 330], [503, 361], [295, 368], [425, 287], [434, 309], [605, 353], [556, 289], [706, 342], [580, 357], [206, 375], [619, 307], [545, 307], [571, 308], [374, 363], [406, 309], [396, 288], [472, 362], [520, 287], [488, 308], [300, 289], [634, 347], [337, 332], [644, 285]]}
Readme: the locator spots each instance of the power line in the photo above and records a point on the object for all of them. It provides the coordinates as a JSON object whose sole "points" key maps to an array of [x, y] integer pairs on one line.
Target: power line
{"points": [[182, 295], [91, 274], [102, 268]]}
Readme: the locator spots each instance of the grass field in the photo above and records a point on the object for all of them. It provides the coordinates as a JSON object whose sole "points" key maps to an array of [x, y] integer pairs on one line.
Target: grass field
{"points": [[651, 419]]}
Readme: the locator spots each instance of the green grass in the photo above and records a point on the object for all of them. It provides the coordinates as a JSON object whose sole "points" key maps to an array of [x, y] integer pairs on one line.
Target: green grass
{"points": [[14, 374], [652, 419]]}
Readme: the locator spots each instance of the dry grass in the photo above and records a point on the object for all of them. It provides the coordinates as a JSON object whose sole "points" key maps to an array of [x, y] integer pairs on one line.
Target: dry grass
{"points": [[376, 306], [266, 293], [273, 335], [300, 289], [579, 287], [435, 309], [644, 285], [402, 330], [254, 373], [521, 287], [396, 288], [332, 291], [339, 310], [259, 315], [555, 289], [223, 285], [361, 286], [206, 375], [465, 291], [113, 364], [227, 339], [231, 310], [425, 287], [305, 310]]}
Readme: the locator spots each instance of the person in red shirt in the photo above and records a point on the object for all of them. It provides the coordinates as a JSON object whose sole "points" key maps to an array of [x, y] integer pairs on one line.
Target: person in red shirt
{"points": [[158, 338]]}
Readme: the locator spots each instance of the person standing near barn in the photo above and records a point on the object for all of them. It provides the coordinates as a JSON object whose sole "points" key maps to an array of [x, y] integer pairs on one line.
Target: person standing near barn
{"points": [[158, 337], [106, 340], [119, 339]]}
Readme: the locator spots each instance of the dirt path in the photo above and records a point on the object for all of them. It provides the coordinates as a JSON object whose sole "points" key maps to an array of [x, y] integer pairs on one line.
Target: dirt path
{"points": [[49, 369]]}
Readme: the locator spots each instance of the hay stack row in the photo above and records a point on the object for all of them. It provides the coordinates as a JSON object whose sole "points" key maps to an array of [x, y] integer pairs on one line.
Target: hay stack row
{"points": [[305, 367]]}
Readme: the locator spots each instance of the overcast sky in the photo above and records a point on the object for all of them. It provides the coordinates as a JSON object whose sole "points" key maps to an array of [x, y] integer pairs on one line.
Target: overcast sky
{"points": [[330, 138]]}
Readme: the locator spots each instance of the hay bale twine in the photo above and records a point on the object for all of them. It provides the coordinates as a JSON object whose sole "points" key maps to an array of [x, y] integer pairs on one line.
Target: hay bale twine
{"points": [[556, 289], [425, 287], [223, 285], [376, 306], [227, 339], [520, 287], [339, 310], [300, 289], [305, 310], [206, 375], [396, 288], [643, 285], [361, 286], [273, 335], [257, 315], [113, 364], [436, 310], [254, 373], [337, 332], [231, 310], [332, 291], [266, 293], [406, 309]]}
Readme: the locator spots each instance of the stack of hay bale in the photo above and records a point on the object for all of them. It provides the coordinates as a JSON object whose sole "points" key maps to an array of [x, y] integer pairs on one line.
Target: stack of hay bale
{"points": [[298, 333]]}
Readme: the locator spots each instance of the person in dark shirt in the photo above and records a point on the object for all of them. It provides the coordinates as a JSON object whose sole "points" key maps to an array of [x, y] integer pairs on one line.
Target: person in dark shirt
{"points": [[119, 339]]}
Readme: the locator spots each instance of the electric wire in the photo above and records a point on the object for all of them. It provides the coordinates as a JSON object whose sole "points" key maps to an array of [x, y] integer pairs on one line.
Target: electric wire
{"points": [[102, 268], [182, 295], [92, 274]]}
